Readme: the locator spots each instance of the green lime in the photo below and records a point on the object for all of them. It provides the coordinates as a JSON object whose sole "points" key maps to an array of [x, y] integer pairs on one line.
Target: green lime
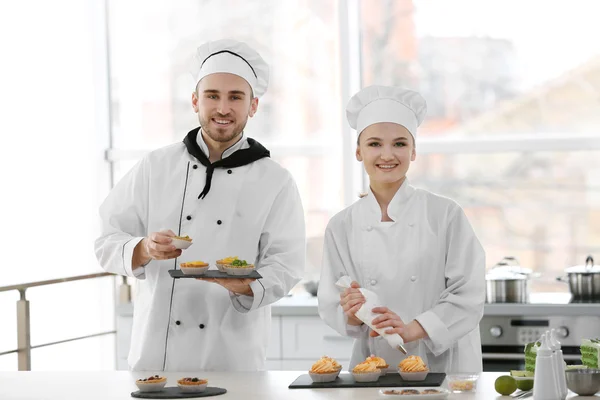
{"points": [[505, 385], [525, 384]]}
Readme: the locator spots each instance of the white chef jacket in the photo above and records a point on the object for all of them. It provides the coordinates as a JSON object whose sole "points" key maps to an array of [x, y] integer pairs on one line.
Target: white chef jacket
{"points": [[426, 265], [253, 212]]}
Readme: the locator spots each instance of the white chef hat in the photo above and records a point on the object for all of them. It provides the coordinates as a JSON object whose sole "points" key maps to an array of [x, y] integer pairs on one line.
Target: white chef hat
{"points": [[375, 104], [233, 57]]}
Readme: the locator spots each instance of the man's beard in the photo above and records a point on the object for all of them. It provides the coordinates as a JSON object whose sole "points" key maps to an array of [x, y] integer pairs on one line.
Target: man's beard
{"points": [[218, 134]]}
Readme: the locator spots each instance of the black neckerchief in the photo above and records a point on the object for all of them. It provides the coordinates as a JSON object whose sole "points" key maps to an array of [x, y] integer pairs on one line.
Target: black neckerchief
{"points": [[256, 151]]}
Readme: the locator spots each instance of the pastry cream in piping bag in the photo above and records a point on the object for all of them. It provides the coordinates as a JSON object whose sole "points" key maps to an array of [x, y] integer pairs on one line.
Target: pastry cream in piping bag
{"points": [[365, 314]]}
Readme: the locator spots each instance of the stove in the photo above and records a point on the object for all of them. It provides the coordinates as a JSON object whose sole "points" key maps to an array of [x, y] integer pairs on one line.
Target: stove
{"points": [[506, 328]]}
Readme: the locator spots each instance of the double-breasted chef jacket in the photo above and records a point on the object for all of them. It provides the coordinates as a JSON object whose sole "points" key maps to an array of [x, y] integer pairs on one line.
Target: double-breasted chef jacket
{"points": [[252, 211], [426, 265]]}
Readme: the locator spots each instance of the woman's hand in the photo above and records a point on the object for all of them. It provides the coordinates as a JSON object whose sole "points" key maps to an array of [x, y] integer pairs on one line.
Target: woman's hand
{"points": [[351, 300], [389, 319]]}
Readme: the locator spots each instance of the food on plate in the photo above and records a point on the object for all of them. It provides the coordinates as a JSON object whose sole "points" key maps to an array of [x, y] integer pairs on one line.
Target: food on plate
{"points": [[240, 264], [326, 369], [430, 391], [365, 367], [378, 362], [153, 379], [192, 381], [192, 385], [366, 372], [325, 365], [409, 391], [153, 383], [413, 364], [186, 238], [225, 261], [194, 264]]}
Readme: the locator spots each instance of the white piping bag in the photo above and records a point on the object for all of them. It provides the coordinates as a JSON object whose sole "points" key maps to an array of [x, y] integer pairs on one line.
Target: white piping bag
{"points": [[365, 314]]}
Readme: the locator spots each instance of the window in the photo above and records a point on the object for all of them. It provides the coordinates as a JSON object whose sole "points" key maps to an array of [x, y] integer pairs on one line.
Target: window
{"points": [[511, 133], [512, 129]]}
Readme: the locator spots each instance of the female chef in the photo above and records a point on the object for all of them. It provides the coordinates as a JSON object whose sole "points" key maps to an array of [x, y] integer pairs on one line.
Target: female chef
{"points": [[416, 250]]}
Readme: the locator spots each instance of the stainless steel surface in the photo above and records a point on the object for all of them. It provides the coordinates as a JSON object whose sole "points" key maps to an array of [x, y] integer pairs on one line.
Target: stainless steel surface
{"points": [[584, 382], [507, 290], [496, 331], [24, 346], [583, 280], [518, 330]]}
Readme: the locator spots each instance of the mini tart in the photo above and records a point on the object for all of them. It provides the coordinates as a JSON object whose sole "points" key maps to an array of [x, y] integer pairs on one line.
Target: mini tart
{"points": [[152, 379], [378, 361], [248, 266], [413, 364], [186, 238], [227, 260], [193, 264], [191, 382], [365, 368], [325, 365]]}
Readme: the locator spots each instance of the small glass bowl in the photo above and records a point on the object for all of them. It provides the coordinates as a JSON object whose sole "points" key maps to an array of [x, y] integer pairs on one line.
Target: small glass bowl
{"points": [[460, 383]]}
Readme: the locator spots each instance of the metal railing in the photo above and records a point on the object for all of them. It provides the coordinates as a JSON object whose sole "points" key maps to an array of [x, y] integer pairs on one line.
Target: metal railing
{"points": [[24, 319]]}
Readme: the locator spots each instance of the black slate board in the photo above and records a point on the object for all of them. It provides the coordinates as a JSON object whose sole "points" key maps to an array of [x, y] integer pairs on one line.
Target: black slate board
{"points": [[173, 392], [213, 273], [345, 380]]}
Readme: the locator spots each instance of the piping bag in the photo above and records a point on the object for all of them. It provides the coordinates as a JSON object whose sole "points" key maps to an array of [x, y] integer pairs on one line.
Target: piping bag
{"points": [[365, 314]]}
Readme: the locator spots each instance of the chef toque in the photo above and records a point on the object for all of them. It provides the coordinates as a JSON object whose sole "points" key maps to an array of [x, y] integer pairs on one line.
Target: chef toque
{"points": [[233, 57], [375, 104]]}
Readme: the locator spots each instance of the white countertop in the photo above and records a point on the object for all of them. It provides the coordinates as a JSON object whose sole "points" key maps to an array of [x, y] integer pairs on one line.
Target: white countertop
{"points": [[272, 385], [547, 304]]}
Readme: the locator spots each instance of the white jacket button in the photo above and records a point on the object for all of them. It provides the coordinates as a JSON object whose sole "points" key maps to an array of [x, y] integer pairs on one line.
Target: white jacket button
{"points": [[369, 228], [413, 278], [411, 224], [373, 282]]}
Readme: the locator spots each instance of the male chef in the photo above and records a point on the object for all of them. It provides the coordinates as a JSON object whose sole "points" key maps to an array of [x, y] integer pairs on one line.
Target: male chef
{"points": [[222, 189]]}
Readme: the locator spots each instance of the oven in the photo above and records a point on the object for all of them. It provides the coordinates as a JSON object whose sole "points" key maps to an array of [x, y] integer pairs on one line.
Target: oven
{"points": [[503, 337]]}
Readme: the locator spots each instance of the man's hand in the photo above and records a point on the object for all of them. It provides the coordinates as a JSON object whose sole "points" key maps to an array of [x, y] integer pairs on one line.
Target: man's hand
{"points": [[351, 300], [157, 246], [237, 286]]}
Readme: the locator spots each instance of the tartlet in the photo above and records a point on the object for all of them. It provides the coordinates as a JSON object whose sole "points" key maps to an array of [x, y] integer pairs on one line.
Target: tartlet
{"points": [[238, 267], [326, 369], [194, 267], [153, 383], [225, 261], [412, 368], [366, 372], [181, 242], [379, 363], [192, 385]]}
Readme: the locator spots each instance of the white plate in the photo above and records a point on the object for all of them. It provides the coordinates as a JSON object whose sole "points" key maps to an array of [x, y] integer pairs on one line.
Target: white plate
{"points": [[442, 395], [180, 244]]}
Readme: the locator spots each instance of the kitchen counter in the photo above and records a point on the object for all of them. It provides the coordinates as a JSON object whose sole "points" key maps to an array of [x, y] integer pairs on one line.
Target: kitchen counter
{"points": [[273, 385], [541, 304]]}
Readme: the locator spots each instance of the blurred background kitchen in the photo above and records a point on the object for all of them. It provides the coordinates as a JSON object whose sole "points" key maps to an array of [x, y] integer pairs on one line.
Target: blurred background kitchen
{"points": [[88, 87]]}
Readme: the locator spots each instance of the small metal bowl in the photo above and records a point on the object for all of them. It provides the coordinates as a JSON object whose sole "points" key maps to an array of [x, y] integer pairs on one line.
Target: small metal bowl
{"points": [[584, 382]]}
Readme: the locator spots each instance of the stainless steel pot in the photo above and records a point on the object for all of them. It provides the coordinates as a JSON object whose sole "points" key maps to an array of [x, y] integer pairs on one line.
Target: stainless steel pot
{"points": [[507, 282], [506, 288], [583, 280]]}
